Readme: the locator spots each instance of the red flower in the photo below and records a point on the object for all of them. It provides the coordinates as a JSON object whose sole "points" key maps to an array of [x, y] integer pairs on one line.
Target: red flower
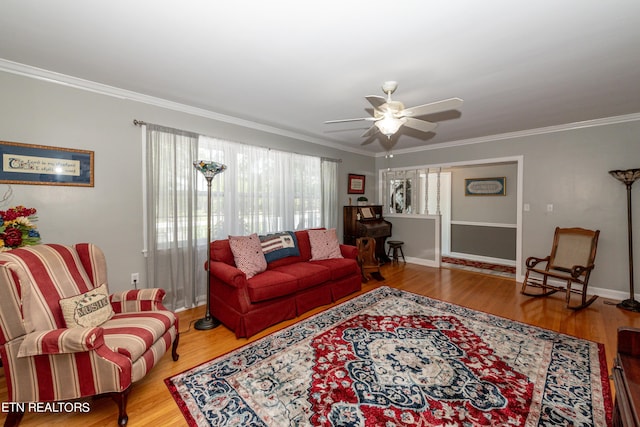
{"points": [[12, 237], [15, 212]]}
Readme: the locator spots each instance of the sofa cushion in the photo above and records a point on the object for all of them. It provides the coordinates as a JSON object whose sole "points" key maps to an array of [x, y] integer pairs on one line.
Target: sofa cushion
{"points": [[89, 309], [131, 334], [339, 267], [303, 245], [304, 248], [221, 251], [279, 245], [247, 254], [271, 284], [308, 274], [324, 244]]}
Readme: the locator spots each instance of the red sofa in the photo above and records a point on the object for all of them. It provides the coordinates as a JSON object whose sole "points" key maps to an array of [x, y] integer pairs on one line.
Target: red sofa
{"points": [[287, 288]]}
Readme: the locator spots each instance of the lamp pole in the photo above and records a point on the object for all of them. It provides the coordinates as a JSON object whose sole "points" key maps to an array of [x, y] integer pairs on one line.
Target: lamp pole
{"points": [[209, 169], [628, 177]]}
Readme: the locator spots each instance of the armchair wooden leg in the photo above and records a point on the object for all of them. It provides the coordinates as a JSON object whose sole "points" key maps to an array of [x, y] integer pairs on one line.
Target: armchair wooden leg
{"points": [[121, 401], [13, 418], [174, 349]]}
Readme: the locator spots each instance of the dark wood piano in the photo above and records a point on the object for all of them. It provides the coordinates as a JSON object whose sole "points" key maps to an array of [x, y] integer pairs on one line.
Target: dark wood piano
{"points": [[367, 221], [626, 378]]}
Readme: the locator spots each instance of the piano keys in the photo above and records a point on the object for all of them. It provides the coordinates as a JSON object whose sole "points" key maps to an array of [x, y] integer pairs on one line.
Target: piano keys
{"points": [[366, 221]]}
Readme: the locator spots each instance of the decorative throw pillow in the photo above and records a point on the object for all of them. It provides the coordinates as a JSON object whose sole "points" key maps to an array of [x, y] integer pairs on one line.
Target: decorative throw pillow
{"points": [[247, 254], [279, 245], [87, 310], [324, 244]]}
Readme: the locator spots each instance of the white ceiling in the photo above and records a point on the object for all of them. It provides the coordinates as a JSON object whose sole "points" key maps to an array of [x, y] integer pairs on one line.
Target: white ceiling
{"points": [[291, 65]]}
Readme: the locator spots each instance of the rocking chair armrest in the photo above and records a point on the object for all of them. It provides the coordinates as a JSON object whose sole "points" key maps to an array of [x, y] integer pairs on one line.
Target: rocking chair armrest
{"points": [[578, 270], [533, 261], [59, 341]]}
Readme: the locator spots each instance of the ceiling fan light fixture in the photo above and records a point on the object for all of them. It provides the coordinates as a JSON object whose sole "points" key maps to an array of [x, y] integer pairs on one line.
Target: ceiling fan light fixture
{"points": [[389, 125]]}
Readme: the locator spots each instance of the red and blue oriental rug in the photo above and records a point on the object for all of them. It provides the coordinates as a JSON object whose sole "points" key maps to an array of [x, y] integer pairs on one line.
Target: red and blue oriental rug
{"points": [[393, 358]]}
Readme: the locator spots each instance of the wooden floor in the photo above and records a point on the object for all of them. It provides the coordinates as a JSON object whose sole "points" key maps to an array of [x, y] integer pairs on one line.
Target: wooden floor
{"points": [[150, 403]]}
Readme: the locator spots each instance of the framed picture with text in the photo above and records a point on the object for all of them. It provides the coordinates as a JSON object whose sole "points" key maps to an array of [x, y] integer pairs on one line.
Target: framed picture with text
{"points": [[485, 186], [356, 184], [44, 165]]}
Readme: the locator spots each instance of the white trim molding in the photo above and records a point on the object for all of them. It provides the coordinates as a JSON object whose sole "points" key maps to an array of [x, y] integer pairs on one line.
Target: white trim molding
{"points": [[78, 83]]}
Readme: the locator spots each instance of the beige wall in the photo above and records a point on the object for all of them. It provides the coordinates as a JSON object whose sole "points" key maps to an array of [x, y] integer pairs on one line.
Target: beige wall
{"points": [[110, 214], [568, 169]]}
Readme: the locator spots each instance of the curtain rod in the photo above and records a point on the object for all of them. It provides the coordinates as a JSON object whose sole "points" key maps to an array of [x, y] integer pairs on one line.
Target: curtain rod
{"points": [[143, 123]]}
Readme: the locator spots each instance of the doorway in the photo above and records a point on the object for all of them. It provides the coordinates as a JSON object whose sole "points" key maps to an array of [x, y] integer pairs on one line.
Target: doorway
{"points": [[483, 230]]}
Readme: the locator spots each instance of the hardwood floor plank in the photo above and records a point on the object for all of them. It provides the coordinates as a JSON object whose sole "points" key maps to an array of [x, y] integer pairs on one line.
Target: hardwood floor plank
{"points": [[150, 403]]}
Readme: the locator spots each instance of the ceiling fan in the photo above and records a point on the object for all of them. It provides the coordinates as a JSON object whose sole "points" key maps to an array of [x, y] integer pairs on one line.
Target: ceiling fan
{"points": [[389, 116]]}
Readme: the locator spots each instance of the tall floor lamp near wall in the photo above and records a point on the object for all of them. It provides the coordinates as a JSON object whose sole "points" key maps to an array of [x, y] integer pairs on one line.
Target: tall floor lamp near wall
{"points": [[628, 177], [209, 169]]}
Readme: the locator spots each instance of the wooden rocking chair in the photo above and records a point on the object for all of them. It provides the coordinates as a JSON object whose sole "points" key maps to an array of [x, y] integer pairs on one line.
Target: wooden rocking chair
{"points": [[367, 258], [571, 261]]}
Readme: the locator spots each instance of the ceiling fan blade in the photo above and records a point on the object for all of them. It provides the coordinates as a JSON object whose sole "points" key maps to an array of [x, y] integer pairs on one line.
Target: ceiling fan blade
{"points": [[376, 101], [351, 120], [421, 125], [434, 107], [370, 132]]}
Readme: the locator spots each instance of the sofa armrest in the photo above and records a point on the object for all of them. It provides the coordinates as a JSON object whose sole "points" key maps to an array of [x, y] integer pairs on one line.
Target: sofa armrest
{"points": [[228, 274], [349, 251], [58, 341], [136, 300]]}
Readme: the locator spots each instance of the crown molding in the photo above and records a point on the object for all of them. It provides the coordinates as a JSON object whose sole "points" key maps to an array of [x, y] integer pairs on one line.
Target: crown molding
{"points": [[102, 89], [521, 134]]}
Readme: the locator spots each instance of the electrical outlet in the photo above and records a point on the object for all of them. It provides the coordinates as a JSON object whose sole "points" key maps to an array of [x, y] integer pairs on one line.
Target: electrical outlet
{"points": [[135, 278]]}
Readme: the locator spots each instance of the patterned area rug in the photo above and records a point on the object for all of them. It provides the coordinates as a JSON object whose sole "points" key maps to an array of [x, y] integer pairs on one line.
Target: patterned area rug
{"points": [[393, 358]]}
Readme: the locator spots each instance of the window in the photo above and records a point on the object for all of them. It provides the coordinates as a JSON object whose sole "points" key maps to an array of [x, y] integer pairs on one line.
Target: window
{"points": [[261, 191], [414, 191]]}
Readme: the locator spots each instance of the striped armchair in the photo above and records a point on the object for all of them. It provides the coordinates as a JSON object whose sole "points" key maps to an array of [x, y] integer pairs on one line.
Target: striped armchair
{"points": [[45, 359]]}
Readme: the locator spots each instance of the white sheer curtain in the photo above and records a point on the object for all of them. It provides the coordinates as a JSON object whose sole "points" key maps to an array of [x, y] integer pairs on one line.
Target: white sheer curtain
{"points": [[262, 191], [265, 190], [174, 261], [329, 193]]}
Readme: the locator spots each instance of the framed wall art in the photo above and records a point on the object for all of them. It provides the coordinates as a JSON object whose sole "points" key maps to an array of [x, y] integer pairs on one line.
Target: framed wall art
{"points": [[356, 184], [485, 186], [44, 165]]}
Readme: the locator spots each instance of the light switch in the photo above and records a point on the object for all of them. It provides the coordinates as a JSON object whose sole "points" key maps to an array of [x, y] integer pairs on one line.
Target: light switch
{"points": [[527, 207], [549, 207]]}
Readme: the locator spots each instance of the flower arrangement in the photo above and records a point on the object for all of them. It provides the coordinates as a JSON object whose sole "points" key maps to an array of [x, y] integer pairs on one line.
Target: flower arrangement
{"points": [[17, 228]]}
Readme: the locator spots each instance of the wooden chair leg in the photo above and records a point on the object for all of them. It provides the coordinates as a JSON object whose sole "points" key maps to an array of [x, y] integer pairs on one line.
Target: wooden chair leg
{"points": [[13, 418], [542, 285], [174, 349], [584, 302], [121, 401]]}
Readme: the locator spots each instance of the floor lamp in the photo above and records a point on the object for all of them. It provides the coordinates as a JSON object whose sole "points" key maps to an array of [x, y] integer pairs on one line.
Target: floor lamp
{"points": [[628, 177], [209, 169]]}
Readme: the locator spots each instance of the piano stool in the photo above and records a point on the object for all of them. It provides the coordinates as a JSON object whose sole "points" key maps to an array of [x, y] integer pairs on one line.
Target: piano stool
{"points": [[396, 245]]}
